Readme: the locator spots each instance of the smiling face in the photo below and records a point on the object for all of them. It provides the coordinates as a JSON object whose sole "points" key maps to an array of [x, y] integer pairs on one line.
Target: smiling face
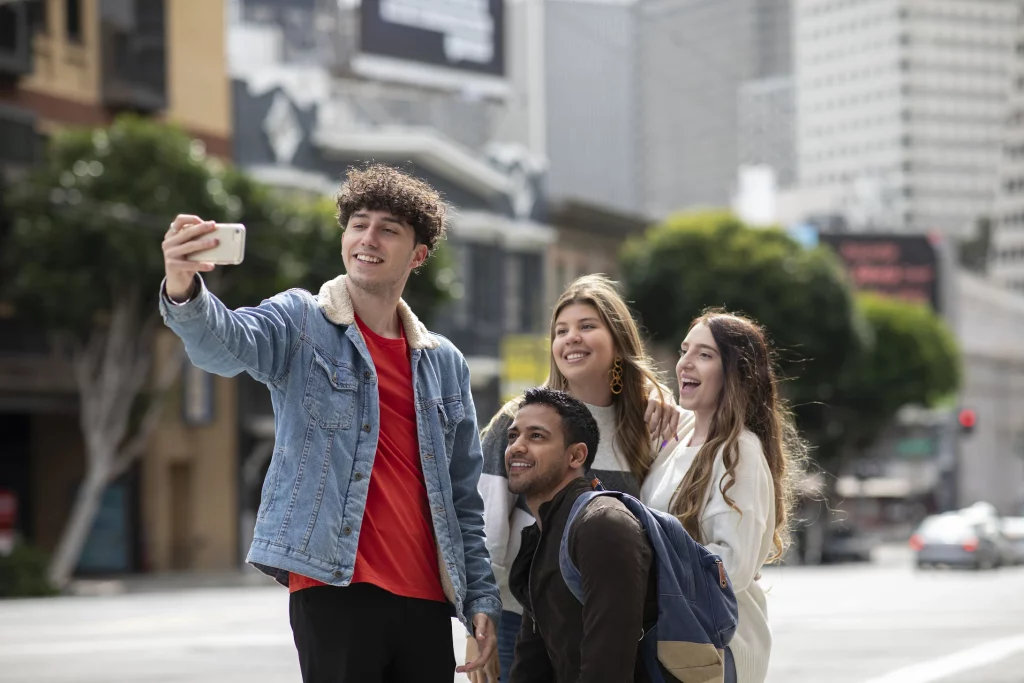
{"points": [[582, 345], [699, 371], [537, 458], [380, 251]]}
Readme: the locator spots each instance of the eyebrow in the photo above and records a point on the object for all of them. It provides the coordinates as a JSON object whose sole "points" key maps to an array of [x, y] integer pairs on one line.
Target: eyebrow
{"points": [[531, 428], [388, 219], [589, 319], [701, 346]]}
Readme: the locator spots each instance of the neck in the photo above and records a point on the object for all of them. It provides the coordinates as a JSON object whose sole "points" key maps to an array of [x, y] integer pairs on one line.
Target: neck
{"points": [[535, 500], [701, 427], [597, 392], [378, 311]]}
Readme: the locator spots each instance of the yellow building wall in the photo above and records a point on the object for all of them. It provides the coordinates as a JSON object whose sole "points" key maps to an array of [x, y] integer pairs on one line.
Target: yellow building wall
{"points": [[190, 484], [198, 85]]}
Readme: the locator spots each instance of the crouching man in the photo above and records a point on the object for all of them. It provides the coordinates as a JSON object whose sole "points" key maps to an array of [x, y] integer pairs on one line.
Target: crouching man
{"points": [[551, 444]]}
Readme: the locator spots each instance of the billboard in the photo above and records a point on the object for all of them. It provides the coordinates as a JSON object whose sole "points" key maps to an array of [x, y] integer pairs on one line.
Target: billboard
{"points": [[461, 34], [902, 266]]}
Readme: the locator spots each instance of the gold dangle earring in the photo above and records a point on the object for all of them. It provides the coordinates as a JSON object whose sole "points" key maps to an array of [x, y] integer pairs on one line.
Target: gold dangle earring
{"points": [[616, 382]]}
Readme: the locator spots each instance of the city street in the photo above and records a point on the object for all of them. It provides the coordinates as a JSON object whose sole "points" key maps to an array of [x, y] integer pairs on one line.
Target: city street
{"points": [[878, 623]]}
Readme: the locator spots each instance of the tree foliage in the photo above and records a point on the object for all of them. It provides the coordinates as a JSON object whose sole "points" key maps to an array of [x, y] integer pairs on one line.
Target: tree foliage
{"points": [[912, 359]]}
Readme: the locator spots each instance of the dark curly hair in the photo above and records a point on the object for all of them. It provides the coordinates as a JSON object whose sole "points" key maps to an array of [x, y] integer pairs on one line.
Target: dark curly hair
{"points": [[578, 425], [379, 187]]}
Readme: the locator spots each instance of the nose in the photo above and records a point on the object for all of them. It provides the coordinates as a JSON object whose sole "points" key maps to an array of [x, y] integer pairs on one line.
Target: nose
{"points": [[516, 447], [574, 336]]}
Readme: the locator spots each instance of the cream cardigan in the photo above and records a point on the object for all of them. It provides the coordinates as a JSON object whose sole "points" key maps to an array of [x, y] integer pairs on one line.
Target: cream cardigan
{"points": [[743, 541]]}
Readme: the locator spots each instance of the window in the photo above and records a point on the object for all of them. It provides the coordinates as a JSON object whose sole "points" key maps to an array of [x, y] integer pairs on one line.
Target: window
{"points": [[37, 16], [73, 20]]}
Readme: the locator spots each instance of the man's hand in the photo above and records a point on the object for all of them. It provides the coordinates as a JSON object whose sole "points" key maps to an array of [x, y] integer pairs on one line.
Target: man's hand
{"points": [[486, 640], [662, 415], [184, 237], [490, 670]]}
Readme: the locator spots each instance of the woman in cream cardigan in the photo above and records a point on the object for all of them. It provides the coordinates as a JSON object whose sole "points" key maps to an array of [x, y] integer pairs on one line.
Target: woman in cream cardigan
{"points": [[730, 479]]}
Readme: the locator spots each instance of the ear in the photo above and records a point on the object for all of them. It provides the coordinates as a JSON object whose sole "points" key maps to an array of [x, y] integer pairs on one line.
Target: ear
{"points": [[577, 455], [419, 255]]}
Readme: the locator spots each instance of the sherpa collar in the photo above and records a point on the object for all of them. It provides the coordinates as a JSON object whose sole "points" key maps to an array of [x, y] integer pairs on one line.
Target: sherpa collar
{"points": [[336, 304]]}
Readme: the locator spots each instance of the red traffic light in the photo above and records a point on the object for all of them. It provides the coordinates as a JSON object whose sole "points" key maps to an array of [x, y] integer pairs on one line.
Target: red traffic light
{"points": [[967, 418]]}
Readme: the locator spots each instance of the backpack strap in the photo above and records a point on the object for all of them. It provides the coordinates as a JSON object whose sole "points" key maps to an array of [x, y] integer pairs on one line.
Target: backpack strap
{"points": [[570, 574]]}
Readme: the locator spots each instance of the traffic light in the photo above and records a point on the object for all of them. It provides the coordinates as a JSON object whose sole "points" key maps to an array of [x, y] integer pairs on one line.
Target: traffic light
{"points": [[967, 420]]}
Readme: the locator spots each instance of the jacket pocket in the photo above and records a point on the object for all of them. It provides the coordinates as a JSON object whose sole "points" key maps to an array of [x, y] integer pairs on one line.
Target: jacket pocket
{"points": [[451, 412], [330, 396]]}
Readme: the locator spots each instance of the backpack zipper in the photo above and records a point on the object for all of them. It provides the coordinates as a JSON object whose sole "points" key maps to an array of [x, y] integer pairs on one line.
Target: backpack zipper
{"points": [[723, 580]]}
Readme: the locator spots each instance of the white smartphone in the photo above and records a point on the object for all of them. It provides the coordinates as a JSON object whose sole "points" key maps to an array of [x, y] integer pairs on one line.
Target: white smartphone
{"points": [[230, 249]]}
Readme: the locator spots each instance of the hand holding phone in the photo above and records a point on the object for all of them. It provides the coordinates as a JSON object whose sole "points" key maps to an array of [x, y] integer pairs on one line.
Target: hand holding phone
{"points": [[192, 245]]}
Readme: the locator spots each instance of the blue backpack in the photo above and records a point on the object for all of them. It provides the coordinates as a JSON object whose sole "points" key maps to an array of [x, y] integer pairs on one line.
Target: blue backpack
{"points": [[697, 610]]}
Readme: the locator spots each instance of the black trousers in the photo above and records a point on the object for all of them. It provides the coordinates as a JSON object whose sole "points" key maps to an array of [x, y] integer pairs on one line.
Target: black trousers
{"points": [[364, 634]]}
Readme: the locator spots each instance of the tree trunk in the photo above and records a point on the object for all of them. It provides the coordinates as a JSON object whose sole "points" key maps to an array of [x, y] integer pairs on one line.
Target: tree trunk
{"points": [[111, 371], [80, 521]]}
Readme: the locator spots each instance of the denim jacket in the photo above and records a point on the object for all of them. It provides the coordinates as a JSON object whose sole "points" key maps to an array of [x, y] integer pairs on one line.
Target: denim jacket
{"points": [[323, 385]]}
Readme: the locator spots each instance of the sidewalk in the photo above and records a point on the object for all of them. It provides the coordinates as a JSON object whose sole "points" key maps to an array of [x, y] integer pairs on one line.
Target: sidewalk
{"points": [[164, 582]]}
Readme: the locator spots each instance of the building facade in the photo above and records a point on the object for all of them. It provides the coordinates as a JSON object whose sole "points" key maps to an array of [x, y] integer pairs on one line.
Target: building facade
{"points": [[1007, 247], [900, 107], [80, 63]]}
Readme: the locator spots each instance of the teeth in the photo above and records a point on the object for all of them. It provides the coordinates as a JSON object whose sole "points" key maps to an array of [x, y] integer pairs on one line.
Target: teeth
{"points": [[368, 259], [520, 465], [574, 356]]}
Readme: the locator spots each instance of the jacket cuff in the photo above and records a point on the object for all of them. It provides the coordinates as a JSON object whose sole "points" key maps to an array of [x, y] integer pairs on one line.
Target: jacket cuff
{"points": [[485, 605], [195, 307]]}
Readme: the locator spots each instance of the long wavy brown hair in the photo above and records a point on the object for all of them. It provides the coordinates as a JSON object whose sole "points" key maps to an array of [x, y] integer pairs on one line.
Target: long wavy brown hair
{"points": [[749, 400], [639, 372]]}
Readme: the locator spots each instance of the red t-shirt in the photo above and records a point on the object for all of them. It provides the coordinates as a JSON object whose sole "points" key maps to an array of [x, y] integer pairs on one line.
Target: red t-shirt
{"points": [[396, 550]]}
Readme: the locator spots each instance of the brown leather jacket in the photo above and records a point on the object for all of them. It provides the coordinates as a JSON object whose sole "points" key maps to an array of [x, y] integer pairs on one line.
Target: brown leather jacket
{"points": [[598, 641]]}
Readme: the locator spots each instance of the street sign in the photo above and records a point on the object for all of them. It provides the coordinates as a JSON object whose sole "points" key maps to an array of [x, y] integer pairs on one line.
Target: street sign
{"points": [[525, 361]]}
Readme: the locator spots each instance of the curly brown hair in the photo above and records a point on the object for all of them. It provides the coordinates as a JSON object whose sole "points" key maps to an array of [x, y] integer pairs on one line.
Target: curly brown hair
{"points": [[379, 187]]}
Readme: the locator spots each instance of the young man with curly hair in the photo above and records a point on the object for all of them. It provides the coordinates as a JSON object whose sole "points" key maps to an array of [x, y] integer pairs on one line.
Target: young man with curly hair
{"points": [[369, 511]]}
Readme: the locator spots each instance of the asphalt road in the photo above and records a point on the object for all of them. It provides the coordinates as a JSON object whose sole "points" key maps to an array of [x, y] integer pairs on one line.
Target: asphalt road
{"points": [[878, 623]]}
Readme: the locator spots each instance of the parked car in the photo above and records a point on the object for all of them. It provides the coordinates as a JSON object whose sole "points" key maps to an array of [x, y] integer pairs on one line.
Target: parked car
{"points": [[1013, 531], [953, 539]]}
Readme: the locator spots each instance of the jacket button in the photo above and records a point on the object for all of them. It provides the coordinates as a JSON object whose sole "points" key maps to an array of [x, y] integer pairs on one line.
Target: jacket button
{"points": [[358, 476], [348, 532], [338, 574], [366, 428], [366, 374]]}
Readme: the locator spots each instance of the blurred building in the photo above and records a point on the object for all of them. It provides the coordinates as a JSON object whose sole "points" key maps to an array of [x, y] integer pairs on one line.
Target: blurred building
{"points": [[900, 108], [80, 63], [1007, 247], [653, 104]]}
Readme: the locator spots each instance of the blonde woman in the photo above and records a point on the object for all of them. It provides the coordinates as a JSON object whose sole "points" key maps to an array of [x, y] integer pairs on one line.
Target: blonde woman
{"points": [[731, 478], [598, 357]]}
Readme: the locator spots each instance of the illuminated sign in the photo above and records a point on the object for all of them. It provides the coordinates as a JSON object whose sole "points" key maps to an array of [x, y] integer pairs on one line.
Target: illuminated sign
{"points": [[901, 266]]}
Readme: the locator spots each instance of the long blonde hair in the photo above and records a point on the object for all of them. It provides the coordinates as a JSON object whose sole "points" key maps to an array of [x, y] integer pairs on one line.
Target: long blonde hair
{"points": [[749, 400], [639, 373]]}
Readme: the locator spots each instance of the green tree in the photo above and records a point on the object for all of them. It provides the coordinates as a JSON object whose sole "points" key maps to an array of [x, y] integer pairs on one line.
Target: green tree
{"points": [[801, 296], [84, 263], [912, 359]]}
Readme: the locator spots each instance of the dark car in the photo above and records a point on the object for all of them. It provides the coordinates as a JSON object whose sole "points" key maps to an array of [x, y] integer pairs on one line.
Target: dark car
{"points": [[953, 539]]}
